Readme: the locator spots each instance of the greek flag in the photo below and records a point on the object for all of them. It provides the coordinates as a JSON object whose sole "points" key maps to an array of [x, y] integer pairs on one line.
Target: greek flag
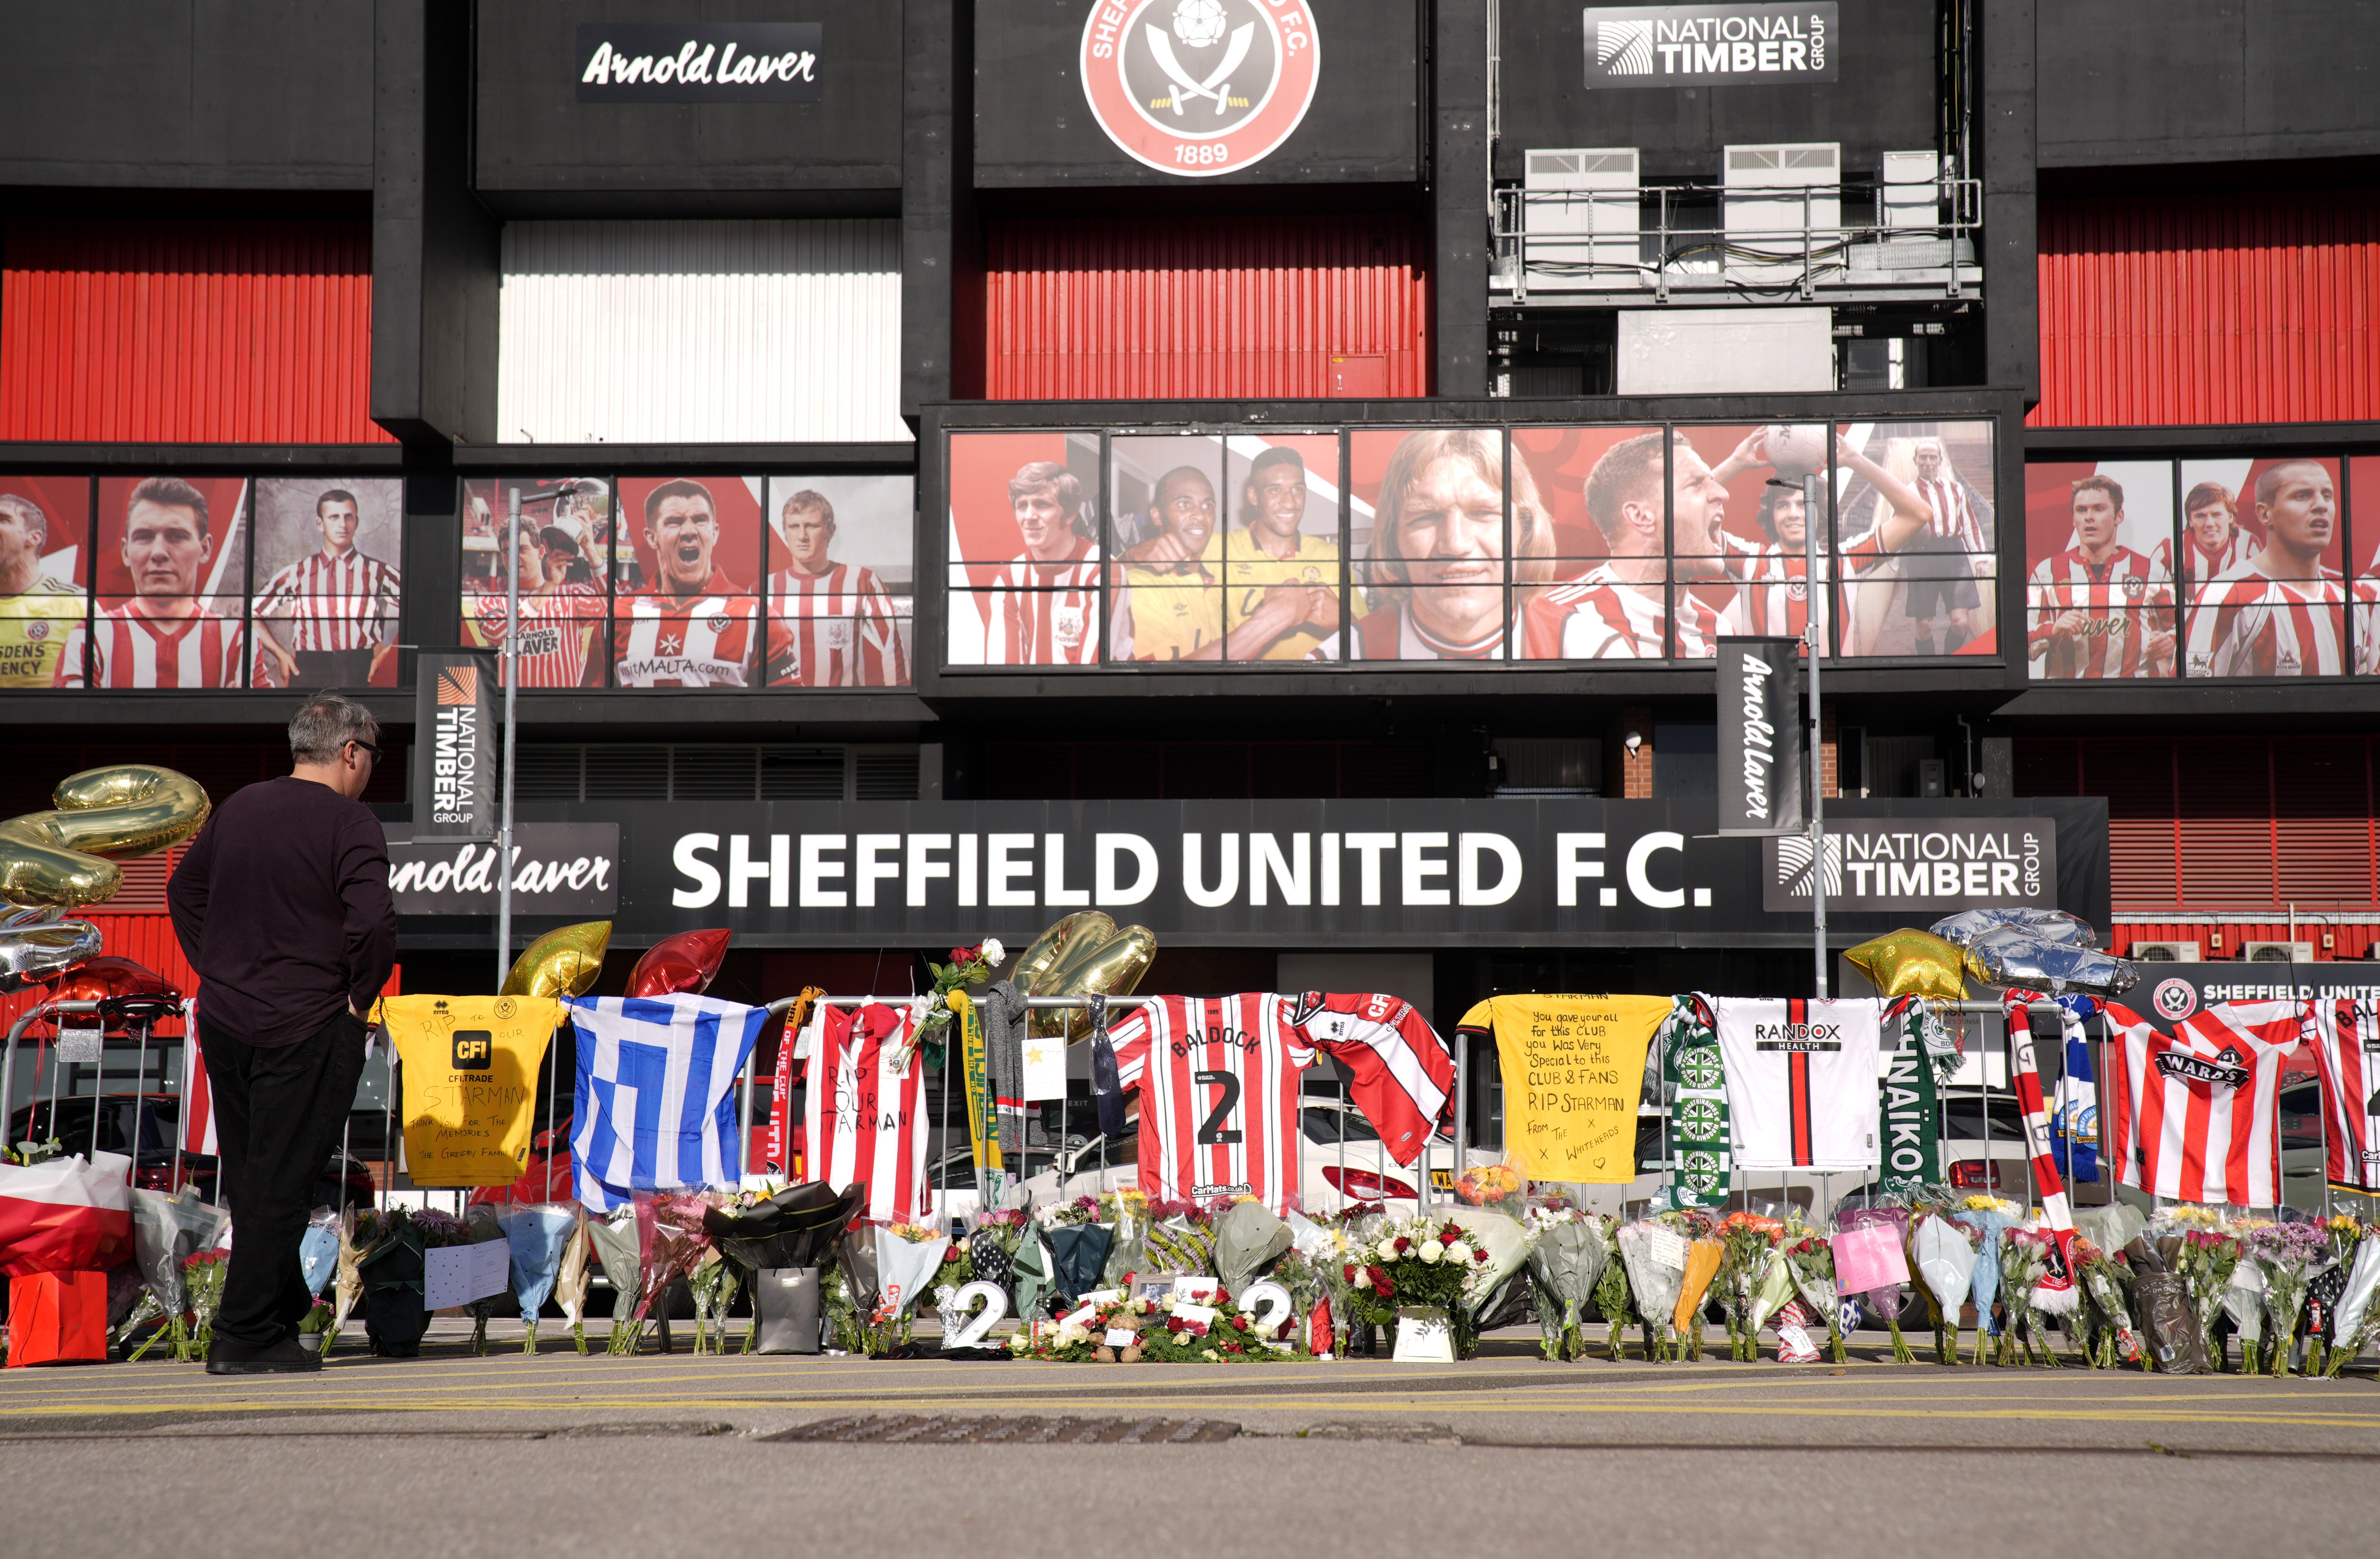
{"points": [[655, 1107]]}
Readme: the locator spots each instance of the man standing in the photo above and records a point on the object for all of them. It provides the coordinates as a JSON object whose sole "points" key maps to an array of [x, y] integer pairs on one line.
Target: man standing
{"points": [[562, 610], [1045, 601], [2214, 544], [345, 605], [163, 637], [39, 614], [1773, 597], [691, 629], [1958, 530], [2278, 615], [2099, 608], [831, 624], [1170, 579], [281, 906]]}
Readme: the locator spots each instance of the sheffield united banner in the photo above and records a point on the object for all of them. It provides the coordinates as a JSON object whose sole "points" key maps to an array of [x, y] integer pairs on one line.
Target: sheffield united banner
{"points": [[1759, 737], [457, 739]]}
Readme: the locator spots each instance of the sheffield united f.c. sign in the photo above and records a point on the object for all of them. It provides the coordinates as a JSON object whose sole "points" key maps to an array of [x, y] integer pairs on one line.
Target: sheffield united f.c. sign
{"points": [[1199, 87]]}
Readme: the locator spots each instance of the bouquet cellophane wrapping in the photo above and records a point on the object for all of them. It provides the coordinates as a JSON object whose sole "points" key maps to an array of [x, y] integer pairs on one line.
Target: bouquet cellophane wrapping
{"points": [[614, 1237], [537, 1233], [1653, 1281], [1249, 1237], [2170, 1323], [1702, 1265], [903, 1268], [1946, 1261]]}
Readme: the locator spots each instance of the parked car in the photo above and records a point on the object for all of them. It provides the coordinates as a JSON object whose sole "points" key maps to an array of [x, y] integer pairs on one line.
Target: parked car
{"points": [[146, 1128]]}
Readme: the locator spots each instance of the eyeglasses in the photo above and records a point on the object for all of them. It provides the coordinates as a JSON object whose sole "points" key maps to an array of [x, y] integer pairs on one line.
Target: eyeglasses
{"points": [[368, 747]]}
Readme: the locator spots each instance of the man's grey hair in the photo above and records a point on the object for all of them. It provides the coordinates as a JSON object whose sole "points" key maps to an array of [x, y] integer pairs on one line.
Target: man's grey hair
{"points": [[321, 731]]}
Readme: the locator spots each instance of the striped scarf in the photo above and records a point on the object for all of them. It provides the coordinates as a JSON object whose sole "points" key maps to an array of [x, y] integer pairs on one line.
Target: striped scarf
{"points": [[2056, 1294], [1694, 1082]]}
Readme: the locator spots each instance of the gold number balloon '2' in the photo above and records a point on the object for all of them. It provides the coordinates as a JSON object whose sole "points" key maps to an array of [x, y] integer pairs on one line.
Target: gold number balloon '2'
{"points": [[65, 859], [1085, 954]]}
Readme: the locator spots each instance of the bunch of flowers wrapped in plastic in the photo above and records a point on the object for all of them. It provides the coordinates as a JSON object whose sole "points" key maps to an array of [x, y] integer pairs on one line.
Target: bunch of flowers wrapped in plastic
{"points": [[2025, 1255], [2104, 1277], [2289, 1255], [202, 1284], [2205, 1257], [1497, 1186], [1745, 1240], [1944, 1253], [1810, 1259], [932, 1008], [1567, 1250], [1415, 1261]]}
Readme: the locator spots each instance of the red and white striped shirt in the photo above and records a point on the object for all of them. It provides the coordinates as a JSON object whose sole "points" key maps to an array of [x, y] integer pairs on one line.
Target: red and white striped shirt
{"points": [[131, 650], [1605, 617], [2197, 565], [1219, 1081], [2123, 601], [1774, 601], [349, 603], [660, 640], [836, 629], [1389, 633], [2247, 624], [1400, 1074], [2345, 1037], [557, 634], [862, 1121], [2193, 1109], [1954, 526], [1047, 614]]}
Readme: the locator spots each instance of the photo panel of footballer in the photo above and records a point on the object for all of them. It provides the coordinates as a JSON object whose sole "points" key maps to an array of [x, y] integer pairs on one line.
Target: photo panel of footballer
{"points": [[1027, 575], [326, 616], [2098, 603], [559, 546], [172, 580], [1164, 536], [696, 623], [45, 575], [841, 575], [2282, 610], [2363, 592], [1916, 529], [1429, 507]]}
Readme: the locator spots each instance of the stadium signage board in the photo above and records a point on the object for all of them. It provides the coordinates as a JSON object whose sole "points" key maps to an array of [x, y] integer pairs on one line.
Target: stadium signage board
{"points": [[1711, 46], [1358, 873], [1760, 751], [700, 62], [1920, 868], [454, 760], [558, 869]]}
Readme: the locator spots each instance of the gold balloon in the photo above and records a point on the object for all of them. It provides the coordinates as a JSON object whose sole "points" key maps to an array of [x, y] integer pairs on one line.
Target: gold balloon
{"points": [[1054, 944], [1108, 964], [565, 962], [1913, 963], [64, 859]]}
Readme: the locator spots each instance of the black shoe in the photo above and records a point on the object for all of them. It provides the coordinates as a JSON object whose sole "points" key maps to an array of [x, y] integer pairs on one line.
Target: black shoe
{"points": [[283, 1357], [1925, 645], [1954, 641]]}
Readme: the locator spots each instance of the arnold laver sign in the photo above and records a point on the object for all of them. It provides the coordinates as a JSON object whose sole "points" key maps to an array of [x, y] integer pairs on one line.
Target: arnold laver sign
{"points": [[558, 869], [1710, 45], [1199, 87], [1759, 735], [1934, 866], [700, 62]]}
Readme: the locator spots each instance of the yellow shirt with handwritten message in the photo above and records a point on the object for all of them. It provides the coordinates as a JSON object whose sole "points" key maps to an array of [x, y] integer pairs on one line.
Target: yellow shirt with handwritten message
{"points": [[469, 1082], [1574, 1071]]}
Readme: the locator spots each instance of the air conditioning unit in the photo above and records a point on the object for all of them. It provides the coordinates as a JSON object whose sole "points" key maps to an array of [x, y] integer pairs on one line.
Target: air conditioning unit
{"points": [[1911, 189], [2277, 952], [1580, 215], [2166, 953], [1764, 215]]}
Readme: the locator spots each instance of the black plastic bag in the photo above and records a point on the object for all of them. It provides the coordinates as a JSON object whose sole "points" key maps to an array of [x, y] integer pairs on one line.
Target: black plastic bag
{"points": [[786, 1310], [2169, 1324]]}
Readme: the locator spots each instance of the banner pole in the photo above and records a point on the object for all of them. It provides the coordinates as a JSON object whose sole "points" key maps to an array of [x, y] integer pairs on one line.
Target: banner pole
{"points": [[504, 833], [1813, 630]]}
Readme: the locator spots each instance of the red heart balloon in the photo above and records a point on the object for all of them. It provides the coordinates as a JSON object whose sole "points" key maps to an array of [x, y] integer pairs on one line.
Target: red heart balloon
{"points": [[684, 964], [125, 989]]}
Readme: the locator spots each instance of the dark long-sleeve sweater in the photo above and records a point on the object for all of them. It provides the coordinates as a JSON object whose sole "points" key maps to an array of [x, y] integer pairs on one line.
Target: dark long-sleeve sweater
{"points": [[282, 905]]}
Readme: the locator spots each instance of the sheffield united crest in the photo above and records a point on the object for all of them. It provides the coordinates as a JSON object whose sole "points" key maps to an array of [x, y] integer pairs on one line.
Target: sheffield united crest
{"points": [[1198, 87]]}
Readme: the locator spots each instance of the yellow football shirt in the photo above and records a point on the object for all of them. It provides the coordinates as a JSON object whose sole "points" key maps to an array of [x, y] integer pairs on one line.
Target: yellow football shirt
{"points": [[469, 1082], [1248, 570], [1574, 1069], [35, 628], [1172, 614]]}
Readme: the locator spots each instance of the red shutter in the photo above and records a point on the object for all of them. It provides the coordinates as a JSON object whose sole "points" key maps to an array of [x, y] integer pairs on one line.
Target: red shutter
{"points": [[183, 332], [2173, 310], [1196, 308], [2226, 825]]}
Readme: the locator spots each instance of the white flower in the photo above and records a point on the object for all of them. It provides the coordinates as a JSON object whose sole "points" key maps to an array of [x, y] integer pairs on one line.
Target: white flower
{"points": [[920, 1006], [992, 950], [1458, 1251], [1198, 22], [1387, 1248], [1431, 1250]]}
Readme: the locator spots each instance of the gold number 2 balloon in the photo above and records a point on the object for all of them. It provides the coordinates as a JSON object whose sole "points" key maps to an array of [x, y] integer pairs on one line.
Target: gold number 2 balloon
{"points": [[564, 962], [65, 859], [1084, 955]]}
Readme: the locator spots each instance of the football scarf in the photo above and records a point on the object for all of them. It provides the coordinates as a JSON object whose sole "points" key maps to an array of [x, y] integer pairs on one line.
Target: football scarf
{"points": [[2056, 1294], [1576, 1070], [983, 1130], [1694, 1079], [2345, 1039], [1907, 1106], [470, 1082], [2075, 1123], [777, 1147]]}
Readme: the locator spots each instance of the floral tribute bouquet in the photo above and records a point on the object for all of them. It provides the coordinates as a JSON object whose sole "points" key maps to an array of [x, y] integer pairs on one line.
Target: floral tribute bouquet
{"points": [[1654, 1255], [1415, 1261], [2104, 1278], [968, 966], [1944, 1254], [2289, 1255], [2025, 1254], [1211, 1331], [1614, 1300], [1567, 1250], [1810, 1259], [1497, 1186], [1745, 1240], [1179, 1240], [2358, 1310], [1125, 1210], [2204, 1258], [202, 1283]]}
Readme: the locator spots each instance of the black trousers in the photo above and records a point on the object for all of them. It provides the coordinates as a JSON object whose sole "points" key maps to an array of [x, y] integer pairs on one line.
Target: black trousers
{"points": [[278, 1112]]}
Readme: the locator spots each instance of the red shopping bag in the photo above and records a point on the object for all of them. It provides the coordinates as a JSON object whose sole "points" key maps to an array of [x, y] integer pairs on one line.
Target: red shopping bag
{"points": [[57, 1318], [66, 1216]]}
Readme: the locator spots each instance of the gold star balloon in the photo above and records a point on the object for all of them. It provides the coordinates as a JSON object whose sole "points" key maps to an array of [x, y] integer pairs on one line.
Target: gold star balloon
{"points": [[1913, 963], [565, 962]]}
